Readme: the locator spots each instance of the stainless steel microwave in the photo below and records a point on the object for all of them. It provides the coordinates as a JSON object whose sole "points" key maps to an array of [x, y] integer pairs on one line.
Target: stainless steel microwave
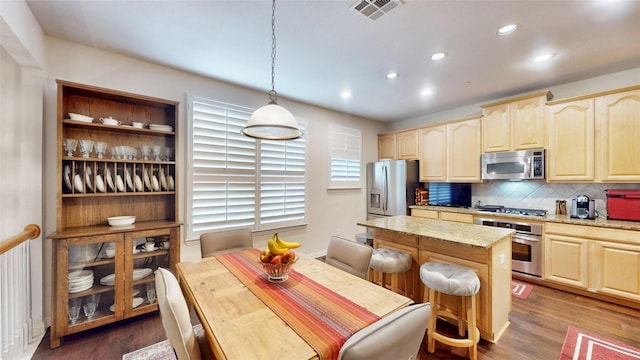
{"points": [[513, 165]]}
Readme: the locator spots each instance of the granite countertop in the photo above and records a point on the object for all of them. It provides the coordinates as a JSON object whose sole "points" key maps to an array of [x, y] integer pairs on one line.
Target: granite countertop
{"points": [[564, 219], [459, 233]]}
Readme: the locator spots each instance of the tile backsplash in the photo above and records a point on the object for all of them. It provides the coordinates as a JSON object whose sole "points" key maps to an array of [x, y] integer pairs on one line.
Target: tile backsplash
{"points": [[537, 194]]}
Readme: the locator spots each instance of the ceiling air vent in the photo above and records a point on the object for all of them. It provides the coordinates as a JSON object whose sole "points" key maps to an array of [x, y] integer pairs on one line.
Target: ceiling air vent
{"points": [[374, 9]]}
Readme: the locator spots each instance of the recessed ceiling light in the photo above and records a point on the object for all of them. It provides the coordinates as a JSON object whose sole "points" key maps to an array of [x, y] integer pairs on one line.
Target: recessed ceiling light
{"points": [[392, 75], [507, 29], [438, 56], [543, 57], [345, 94], [426, 92]]}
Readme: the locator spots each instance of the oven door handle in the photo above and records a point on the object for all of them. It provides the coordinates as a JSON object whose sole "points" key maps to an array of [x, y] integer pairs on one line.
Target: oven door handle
{"points": [[523, 238]]}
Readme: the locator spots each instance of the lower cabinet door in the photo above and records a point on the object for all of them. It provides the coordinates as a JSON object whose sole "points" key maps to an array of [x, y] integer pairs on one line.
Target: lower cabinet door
{"points": [[617, 269], [566, 260]]}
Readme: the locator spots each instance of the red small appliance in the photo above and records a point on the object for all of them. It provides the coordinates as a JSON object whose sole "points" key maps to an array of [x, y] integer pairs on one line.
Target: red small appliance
{"points": [[623, 204]]}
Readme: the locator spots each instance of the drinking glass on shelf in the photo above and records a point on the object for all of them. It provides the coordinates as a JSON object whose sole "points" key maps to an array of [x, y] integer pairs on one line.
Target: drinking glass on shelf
{"points": [[101, 148], [74, 310], [145, 150], [70, 146], [114, 152], [120, 152], [86, 146], [157, 151], [90, 310], [151, 292], [168, 151]]}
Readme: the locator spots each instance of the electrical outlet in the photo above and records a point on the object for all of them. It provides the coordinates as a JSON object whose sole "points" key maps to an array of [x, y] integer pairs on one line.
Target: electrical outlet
{"points": [[501, 259]]}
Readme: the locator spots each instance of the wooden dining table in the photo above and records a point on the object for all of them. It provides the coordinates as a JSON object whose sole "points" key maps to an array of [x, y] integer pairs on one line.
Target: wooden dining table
{"points": [[239, 325]]}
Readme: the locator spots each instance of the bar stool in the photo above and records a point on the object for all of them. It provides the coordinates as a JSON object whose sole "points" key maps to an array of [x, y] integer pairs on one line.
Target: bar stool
{"points": [[442, 278], [394, 262]]}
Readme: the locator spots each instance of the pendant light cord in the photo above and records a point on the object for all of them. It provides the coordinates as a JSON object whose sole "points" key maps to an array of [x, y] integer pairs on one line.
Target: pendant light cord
{"points": [[273, 95]]}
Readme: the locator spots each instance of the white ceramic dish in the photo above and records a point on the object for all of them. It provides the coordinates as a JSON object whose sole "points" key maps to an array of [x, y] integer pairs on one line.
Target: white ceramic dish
{"points": [[147, 181], [87, 286], [67, 177], [119, 183], [129, 180], [87, 179], [77, 181], [159, 127], [108, 280], [170, 183], [109, 121], [80, 117], [100, 183], [110, 180], [121, 220], [163, 180], [80, 275], [156, 185], [137, 301], [141, 273], [138, 183]]}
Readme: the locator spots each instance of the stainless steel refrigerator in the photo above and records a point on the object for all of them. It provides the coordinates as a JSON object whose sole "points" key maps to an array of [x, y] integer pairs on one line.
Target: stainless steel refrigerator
{"points": [[391, 186]]}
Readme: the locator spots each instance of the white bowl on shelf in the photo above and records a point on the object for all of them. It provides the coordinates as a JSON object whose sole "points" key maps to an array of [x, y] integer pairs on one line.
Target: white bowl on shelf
{"points": [[80, 117], [121, 220]]}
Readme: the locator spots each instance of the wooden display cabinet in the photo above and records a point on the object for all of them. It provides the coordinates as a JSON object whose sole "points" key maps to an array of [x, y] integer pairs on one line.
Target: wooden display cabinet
{"points": [[90, 257]]}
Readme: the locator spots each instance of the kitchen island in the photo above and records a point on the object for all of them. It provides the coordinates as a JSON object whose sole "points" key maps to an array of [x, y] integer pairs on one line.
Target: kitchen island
{"points": [[484, 249]]}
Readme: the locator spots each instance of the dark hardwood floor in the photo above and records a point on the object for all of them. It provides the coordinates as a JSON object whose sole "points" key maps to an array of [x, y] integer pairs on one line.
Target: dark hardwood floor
{"points": [[537, 331]]}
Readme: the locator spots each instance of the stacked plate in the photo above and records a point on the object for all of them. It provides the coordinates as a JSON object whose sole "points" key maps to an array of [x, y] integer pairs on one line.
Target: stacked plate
{"points": [[138, 274], [160, 127], [80, 280]]}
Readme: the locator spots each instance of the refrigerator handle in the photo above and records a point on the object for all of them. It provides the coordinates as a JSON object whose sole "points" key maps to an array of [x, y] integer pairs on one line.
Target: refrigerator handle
{"points": [[385, 188]]}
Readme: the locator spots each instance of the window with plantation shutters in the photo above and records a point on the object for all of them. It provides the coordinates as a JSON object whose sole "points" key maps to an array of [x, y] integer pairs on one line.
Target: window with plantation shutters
{"points": [[237, 181], [345, 145]]}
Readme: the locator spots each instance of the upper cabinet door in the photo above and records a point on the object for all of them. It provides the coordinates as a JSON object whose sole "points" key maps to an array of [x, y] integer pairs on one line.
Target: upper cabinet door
{"points": [[433, 153], [528, 123], [407, 145], [387, 146], [618, 122], [570, 151], [515, 124], [496, 135], [463, 146]]}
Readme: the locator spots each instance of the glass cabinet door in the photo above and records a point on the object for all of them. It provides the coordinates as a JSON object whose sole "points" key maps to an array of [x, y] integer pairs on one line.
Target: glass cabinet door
{"points": [[91, 279], [149, 250]]}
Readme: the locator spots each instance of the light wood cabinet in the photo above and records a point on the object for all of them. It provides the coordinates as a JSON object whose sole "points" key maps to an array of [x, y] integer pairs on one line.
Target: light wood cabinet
{"points": [[443, 215], [601, 260], [433, 153], [618, 269], [464, 156], [570, 150], [515, 124], [407, 145], [618, 123], [451, 152], [89, 256], [387, 146], [566, 260]]}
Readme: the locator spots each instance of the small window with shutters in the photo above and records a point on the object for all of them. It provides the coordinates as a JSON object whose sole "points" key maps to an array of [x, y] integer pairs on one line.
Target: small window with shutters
{"points": [[345, 151]]}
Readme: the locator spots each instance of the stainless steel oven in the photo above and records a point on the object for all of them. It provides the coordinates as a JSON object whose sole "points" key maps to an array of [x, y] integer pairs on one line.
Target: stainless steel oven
{"points": [[526, 245]]}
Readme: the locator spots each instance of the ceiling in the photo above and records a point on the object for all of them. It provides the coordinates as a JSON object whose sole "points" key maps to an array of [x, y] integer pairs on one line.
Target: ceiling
{"points": [[325, 48]]}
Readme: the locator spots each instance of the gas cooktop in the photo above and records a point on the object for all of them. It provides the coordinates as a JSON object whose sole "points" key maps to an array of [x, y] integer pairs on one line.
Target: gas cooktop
{"points": [[507, 210]]}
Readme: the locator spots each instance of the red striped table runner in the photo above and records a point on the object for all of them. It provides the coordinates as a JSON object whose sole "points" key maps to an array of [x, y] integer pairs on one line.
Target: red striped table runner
{"points": [[323, 318]]}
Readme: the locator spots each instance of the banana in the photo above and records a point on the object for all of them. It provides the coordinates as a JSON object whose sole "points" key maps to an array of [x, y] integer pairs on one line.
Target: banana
{"points": [[274, 248], [285, 244]]}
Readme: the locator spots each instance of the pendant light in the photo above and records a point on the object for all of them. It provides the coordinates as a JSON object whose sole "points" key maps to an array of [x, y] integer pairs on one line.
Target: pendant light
{"points": [[272, 121]]}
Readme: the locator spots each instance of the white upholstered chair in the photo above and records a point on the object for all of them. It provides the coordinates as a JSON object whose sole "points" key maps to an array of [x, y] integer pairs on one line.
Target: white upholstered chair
{"points": [[213, 243], [395, 336], [349, 256], [176, 320]]}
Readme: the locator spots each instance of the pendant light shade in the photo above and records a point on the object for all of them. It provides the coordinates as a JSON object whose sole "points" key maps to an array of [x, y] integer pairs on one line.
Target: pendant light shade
{"points": [[272, 121]]}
